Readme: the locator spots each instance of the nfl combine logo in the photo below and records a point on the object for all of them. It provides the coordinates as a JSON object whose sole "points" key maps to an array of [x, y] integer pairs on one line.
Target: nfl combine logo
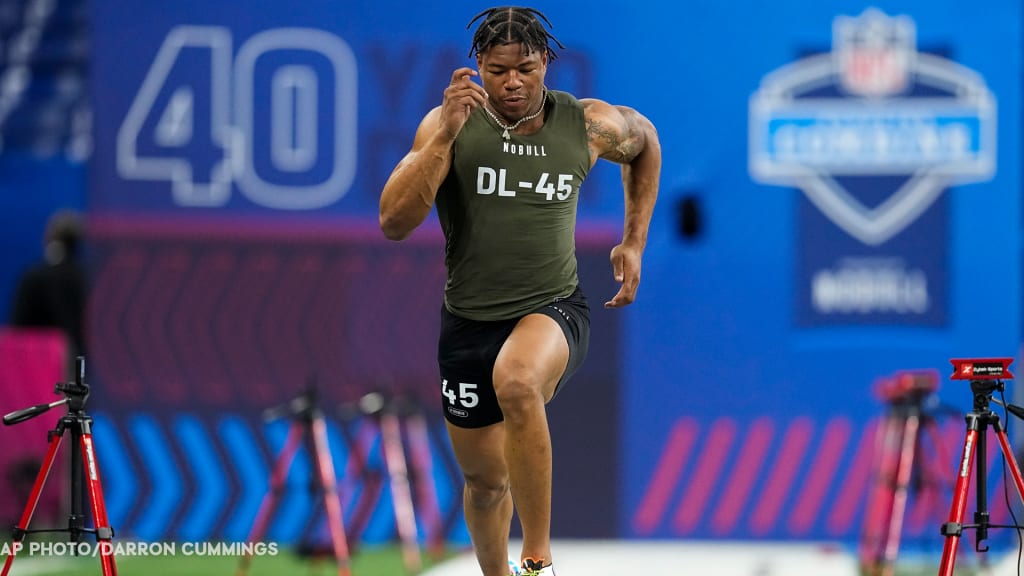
{"points": [[873, 107]]}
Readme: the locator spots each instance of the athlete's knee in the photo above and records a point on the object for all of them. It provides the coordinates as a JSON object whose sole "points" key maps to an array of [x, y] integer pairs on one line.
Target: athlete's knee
{"points": [[484, 493], [518, 390]]}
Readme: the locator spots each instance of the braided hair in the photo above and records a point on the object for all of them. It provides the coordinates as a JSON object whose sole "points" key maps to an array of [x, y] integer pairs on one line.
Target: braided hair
{"points": [[512, 24]]}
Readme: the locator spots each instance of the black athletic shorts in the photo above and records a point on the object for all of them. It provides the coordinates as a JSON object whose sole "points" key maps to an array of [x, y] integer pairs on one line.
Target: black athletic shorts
{"points": [[467, 350]]}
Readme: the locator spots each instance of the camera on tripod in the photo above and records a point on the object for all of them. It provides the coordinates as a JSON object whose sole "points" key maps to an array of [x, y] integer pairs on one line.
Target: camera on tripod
{"points": [[986, 377], [907, 386], [981, 369]]}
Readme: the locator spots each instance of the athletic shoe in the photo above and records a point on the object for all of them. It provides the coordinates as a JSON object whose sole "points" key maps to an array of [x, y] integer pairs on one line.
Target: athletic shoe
{"points": [[533, 567], [513, 569]]}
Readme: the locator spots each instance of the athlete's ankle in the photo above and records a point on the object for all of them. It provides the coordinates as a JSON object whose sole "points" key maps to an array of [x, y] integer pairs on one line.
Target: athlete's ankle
{"points": [[537, 567]]}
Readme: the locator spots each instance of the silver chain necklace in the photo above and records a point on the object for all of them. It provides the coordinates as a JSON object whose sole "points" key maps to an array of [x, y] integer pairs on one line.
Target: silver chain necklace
{"points": [[513, 127]]}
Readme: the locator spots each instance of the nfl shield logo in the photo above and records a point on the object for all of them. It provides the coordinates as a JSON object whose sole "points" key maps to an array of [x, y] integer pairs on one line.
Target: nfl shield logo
{"points": [[874, 53]]}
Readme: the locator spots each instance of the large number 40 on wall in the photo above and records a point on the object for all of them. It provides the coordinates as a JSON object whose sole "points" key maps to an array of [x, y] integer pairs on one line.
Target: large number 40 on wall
{"points": [[278, 119]]}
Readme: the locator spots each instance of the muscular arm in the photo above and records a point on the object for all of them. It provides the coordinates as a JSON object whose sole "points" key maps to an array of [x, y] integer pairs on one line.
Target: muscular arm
{"points": [[624, 136], [409, 193]]}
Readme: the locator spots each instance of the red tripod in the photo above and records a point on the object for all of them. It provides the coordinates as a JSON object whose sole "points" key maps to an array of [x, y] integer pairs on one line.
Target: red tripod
{"points": [[986, 377], [307, 425], [83, 458], [900, 452], [406, 448]]}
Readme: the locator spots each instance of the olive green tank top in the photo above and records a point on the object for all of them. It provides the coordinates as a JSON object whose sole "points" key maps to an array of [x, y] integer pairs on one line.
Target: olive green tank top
{"points": [[508, 212]]}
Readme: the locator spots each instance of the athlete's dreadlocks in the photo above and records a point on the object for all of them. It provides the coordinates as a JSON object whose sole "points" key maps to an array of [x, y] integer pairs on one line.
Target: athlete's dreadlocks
{"points": [[509, 25]]}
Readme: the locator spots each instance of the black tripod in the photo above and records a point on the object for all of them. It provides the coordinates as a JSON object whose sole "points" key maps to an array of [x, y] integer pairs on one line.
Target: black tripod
{"points": [[83, 459]]}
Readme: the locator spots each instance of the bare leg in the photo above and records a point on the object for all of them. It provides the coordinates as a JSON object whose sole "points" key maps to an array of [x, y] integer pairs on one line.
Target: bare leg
{"points": [[486, 497], [526, 372]]}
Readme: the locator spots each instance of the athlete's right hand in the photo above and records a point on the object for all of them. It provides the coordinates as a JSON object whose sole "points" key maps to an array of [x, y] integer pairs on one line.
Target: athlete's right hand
{"points": [[460, 99]]}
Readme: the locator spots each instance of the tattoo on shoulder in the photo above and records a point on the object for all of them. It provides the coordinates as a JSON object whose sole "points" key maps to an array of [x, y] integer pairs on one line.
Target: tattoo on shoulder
{"points": [[618, 145]]}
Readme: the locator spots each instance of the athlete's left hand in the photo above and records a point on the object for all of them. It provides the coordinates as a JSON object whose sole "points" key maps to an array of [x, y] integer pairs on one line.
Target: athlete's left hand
{"points": [[626, 267]]}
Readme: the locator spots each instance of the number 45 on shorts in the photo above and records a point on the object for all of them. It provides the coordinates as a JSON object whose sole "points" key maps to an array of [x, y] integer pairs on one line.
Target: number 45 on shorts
{"points": [[465, 396]]}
